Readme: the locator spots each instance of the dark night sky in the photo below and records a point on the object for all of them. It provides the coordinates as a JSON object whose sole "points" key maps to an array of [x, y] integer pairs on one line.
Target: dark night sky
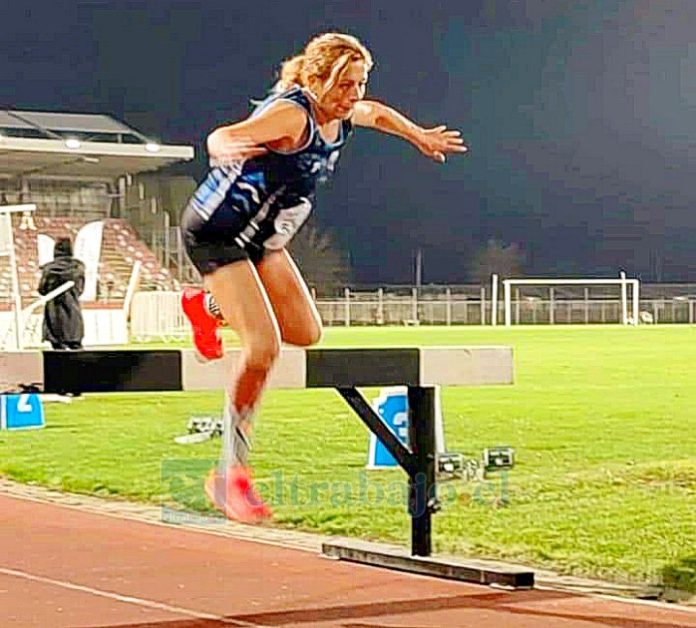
{"points": [[581, 116]]}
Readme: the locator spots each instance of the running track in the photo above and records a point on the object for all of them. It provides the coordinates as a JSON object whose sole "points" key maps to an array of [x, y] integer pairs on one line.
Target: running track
{"points": [[62, 566]]}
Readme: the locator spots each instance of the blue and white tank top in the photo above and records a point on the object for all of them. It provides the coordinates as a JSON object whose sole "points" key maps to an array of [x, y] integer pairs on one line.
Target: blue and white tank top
{"points": [[261, 187]]}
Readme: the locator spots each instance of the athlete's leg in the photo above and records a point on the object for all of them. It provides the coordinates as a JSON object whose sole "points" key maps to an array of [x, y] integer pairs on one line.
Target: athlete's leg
{"points": [[243, 302], [297, 316], [209, 238], [205, 317]]}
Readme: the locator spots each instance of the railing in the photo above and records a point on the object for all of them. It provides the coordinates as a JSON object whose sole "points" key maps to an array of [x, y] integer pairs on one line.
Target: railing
{"points": [[168, 247], [158, 314], [476, 312]]}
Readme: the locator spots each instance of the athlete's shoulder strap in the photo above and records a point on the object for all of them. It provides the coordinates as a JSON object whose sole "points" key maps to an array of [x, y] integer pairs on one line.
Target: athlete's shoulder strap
{"points": [[294, 95]]}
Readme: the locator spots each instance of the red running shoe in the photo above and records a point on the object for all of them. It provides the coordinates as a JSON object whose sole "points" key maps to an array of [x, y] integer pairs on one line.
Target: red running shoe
{"points": [[233, 493], [206, 337]]}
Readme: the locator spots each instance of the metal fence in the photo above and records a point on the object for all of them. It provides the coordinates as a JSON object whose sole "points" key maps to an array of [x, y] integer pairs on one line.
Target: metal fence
{"points": [[158, 314], [467, 311]]}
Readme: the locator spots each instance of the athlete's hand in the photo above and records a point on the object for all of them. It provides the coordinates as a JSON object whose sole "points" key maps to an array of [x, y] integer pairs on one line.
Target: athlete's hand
{"points": [[440, 141], [225, 150]]}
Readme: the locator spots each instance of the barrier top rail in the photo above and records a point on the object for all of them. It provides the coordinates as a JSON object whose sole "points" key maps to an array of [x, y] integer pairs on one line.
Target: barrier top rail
{"points": [[156, 370]]}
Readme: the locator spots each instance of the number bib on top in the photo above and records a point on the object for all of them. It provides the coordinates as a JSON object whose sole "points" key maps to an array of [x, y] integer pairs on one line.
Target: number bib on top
{"points": [[287, 223]]}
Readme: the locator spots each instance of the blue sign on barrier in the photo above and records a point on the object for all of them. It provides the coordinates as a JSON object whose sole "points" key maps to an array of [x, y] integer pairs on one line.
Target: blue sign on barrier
{"points": [[392, 408], [19, 412]]}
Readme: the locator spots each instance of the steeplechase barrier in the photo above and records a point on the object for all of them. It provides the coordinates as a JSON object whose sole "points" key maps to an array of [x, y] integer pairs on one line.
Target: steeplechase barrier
{"points": [[420, 369]]}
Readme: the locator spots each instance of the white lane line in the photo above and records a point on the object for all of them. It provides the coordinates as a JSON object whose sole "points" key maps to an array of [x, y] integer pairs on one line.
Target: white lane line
{"points": [[127, 599]]}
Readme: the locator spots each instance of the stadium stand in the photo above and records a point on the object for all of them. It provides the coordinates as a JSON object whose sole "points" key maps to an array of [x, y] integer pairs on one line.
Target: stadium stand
{"points": [[78, 168], [121, 248]]}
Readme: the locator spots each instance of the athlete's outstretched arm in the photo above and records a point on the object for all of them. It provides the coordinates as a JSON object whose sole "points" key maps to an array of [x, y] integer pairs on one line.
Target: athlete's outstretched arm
{"points": [[282, 123], [436, 143]]}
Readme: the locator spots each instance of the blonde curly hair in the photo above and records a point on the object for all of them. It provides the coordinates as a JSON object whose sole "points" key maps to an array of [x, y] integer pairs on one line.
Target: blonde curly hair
{"points": [[323, 59]]}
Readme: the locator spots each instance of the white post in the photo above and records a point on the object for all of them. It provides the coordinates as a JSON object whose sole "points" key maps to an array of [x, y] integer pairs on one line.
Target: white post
{"points": [[167, 243], [517, 306], [179, 255], [7, 247], [448, 310], [130, 290], [624, 299], [380, 306], [552, 306], [14, 275], [636, 300], [123, 184], [508, 309], [494, 299], [414, 304], [347, 307]]}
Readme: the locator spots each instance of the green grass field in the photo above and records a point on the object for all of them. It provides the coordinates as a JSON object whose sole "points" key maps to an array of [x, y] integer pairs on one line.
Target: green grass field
{"points": [[603, 421]]}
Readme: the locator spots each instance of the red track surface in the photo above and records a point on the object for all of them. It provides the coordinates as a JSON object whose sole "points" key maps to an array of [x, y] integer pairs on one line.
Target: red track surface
{"points": [[64, 567]]}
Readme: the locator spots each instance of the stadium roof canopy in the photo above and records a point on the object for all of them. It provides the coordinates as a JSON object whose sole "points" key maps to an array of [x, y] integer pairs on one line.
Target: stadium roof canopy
{"points": [[78, 146]]}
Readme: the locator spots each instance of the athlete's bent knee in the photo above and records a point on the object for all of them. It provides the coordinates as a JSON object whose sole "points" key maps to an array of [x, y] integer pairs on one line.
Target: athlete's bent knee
{"points": [[313, 335], [304, 337]]}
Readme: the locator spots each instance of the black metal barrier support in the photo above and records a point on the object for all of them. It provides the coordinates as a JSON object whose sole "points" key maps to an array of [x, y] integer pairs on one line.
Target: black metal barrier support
{"points": [[418, 460], [422, 500]]}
